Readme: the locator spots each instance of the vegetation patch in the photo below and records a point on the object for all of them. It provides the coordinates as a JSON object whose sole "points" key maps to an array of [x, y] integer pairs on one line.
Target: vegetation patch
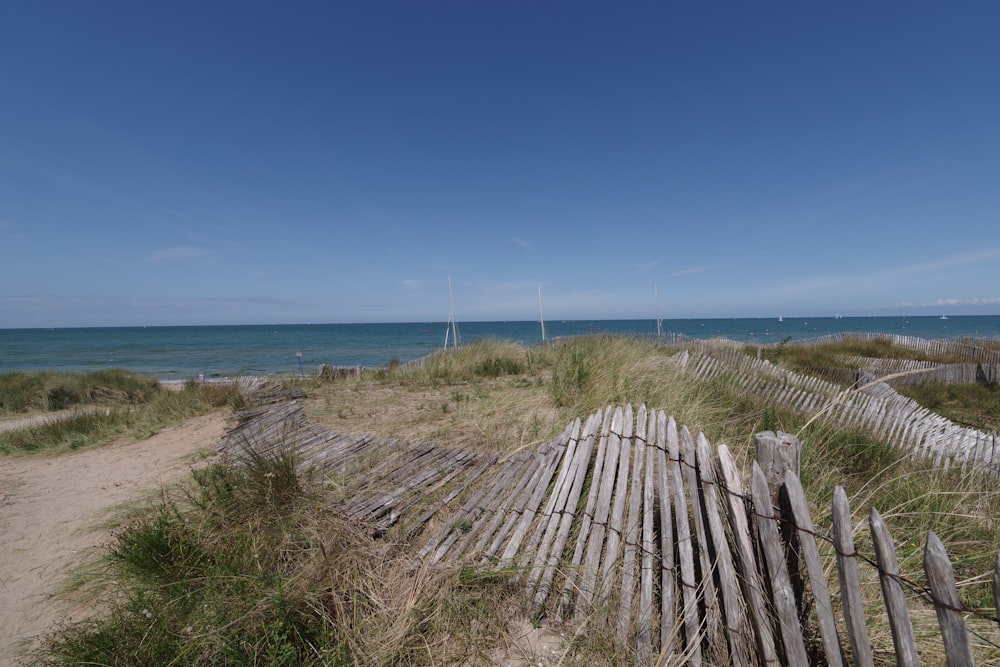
{"points": [[973, 405], [118, 405]]}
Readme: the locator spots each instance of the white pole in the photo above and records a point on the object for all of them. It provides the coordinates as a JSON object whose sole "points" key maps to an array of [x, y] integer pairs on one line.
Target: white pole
{"points": [[659, 322], [541, 318], [454, 324]]}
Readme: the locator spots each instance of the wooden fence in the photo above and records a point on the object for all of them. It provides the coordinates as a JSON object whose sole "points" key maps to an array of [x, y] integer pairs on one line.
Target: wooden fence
{"points": [[912, 371], [974, 350], [873, 405], [628, 519]]}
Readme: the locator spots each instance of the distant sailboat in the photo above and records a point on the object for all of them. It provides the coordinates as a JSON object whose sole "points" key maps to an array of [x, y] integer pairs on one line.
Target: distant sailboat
{"points": [[944, 317], [780, 318]]}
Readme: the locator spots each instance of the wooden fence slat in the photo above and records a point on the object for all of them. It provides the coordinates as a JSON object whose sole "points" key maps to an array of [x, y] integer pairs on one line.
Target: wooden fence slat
{"points": [[685, 548], [760, 617], [944, 592], [548, 520], [782, 594], [612, 562], [632, 524], [996, 590], [569, 586], [595, 544], [668, 569], [892, 592], [644, 638], [706, 550], [569, 513], [513, 506], [469, 512], [535, 499], [487, 514], [850, 587], [733, 608], [832, 649]]}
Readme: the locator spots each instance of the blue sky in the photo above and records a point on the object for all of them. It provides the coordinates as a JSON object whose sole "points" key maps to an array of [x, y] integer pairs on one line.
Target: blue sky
{"points": [[240, 162]]}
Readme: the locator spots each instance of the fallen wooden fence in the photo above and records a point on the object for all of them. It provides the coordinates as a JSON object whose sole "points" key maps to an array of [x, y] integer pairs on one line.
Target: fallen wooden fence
{"points": [[629, 520], [975, 350], [874, 405]]}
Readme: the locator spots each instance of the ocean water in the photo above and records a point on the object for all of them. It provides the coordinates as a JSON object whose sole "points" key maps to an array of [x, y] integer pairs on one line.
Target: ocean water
{"points": [[184, 352]]}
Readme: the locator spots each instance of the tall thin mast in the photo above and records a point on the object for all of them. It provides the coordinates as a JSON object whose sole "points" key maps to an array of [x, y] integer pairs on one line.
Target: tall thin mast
{"points": [[451, 318], [541, 318], [659, 322]]}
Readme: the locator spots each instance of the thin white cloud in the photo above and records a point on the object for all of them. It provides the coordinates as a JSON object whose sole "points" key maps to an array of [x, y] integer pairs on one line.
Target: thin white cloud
{"points": [[648, 266], [212, 303], [864, 279], [523, 245], [410, 283], [945, 262], [177, 253], [696, 269], [976, 301]]}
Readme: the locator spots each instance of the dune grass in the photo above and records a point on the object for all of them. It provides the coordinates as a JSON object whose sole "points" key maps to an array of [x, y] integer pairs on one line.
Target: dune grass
{"points": [[107, 406], [973, 405], [250, 565]]}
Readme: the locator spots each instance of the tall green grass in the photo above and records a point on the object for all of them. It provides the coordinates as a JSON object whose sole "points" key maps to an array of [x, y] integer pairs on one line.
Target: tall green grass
{"points": [[34, 392], [127, 409], [250, 566]]}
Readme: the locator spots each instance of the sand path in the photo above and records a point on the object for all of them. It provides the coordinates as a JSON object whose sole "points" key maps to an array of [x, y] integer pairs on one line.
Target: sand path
{"points": [[48, 511]]}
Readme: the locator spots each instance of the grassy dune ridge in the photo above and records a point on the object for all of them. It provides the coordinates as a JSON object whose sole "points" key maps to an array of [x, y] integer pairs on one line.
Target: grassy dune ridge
{"points": [[249, 566]]}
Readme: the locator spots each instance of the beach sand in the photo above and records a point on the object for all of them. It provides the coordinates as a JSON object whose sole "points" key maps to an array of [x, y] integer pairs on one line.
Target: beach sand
{"points": [[51, 511]]}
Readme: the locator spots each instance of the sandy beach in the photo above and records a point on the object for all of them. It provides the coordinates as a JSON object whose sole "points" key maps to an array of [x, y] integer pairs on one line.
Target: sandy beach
{"points": [[50, 515]]}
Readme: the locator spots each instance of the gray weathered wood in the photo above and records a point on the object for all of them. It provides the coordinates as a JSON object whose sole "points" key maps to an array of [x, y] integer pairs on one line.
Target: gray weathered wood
{"points": [[644, 638], [612, 559], [746, 562], [996, 590], [832, 649], [781, 586], [706, 549], [531, 508], [668, 569], [734, 611], [569, 513], [947, 604], [850, 587], [685, 550], [776, 453], [595, 545], [892, 592], [632, 525], [537, 548], [569, 586]]}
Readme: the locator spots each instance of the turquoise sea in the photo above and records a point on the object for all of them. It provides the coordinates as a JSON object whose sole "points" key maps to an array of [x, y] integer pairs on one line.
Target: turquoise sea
{"points": [[184, 352]]}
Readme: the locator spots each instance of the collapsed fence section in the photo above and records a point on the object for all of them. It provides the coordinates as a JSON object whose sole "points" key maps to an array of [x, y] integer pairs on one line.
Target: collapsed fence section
{"points": [[629, 520], [871, 403]]}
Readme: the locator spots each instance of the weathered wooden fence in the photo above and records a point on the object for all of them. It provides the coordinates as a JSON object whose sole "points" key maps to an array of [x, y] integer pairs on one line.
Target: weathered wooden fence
{"points": [[912, 371], [628, 519], [874, 405], [973, 350]]}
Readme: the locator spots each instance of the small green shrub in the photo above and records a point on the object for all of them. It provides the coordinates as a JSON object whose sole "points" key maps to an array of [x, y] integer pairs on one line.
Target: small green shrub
{"points": [[498, 366]]}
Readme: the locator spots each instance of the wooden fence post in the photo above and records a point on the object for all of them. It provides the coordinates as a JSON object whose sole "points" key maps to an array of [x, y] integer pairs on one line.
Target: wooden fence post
{"points": [[892, 592], [947, 605], [776, 453], [850, 587]]}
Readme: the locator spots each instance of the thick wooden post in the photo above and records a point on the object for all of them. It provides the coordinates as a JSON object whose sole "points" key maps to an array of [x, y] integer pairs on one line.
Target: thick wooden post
{"points": [[776, 453]]}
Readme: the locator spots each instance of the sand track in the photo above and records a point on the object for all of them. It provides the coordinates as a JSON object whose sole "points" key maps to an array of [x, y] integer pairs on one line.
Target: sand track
{"points": [[49, 508]]}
